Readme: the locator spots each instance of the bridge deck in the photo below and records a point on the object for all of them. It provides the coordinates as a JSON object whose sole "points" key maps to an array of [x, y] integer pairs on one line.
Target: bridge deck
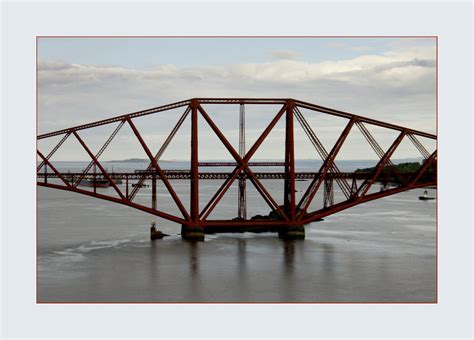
{"points": [[186, 174]]}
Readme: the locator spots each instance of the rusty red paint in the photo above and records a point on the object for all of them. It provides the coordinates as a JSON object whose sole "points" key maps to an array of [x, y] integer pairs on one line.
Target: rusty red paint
{"points": [[292, 213]]}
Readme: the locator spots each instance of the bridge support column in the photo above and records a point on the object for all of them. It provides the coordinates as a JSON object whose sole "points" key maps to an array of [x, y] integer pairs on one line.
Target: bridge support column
{"points": [[192, 233], [292, 233]]}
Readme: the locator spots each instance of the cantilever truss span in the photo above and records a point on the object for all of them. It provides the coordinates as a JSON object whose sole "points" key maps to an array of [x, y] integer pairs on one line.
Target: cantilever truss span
{"points": [[294, 211]]}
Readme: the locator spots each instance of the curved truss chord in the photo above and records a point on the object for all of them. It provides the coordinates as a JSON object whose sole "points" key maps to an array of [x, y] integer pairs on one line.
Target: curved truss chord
{"points": [[291, 214]]}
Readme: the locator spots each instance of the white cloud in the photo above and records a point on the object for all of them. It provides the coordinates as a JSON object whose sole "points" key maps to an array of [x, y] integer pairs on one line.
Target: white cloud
{"points": [[287, 71], [397, 86]]}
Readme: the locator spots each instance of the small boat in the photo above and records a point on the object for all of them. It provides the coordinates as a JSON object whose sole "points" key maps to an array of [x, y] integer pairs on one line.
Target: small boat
{"points": [[425, 196]]}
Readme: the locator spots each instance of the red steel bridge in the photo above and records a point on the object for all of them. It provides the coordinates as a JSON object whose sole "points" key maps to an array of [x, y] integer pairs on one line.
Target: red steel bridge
{"points": [[289, 218]]}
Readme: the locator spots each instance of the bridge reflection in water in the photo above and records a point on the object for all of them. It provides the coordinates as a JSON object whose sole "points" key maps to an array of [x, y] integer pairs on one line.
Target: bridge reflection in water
{"points": [[286, 272]]}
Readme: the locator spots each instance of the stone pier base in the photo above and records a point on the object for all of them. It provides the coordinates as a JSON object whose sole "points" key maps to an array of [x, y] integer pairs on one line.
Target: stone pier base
{"points": [[156, 234], [292, 233], [192, 233]]}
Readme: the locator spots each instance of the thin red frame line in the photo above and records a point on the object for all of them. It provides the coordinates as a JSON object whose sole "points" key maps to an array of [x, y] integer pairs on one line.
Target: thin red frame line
{"points": [[240, 302], [240, 36], [36, 159]]}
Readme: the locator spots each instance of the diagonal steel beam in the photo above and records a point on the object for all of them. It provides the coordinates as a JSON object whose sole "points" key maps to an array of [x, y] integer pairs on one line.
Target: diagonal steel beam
{"points": [[370, 139], [238, 101], [345, 188], [163, 176], [377, 148], [228, 182], [260, 188], [115, 200], [116, 119], [431, 159], [327, 164], [48, 163], [160, 152], [419, 146], [367, 120], [242, 163], [380, 165], [54, 150], [264, 192], [219, 193], [99, 153], [313, 216], [104, 172]]}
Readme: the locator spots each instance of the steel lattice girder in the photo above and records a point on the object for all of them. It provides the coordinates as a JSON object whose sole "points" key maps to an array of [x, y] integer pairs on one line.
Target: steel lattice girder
{"points": [[291, 214]]}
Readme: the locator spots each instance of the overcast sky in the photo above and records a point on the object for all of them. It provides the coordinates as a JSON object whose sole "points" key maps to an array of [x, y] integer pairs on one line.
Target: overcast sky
{"points": [[87, 79]]}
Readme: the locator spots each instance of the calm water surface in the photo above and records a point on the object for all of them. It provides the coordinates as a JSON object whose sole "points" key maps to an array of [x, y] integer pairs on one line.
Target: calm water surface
{"points": [[96, 251]]}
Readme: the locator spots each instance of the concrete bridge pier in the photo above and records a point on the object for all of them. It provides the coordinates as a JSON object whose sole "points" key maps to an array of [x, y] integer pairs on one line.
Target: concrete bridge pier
{"points": [[292, 233], [192, 233]]}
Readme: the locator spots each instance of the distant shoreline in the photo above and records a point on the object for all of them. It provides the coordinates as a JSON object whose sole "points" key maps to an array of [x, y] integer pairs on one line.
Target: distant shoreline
{"points": [[134, 160]]}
